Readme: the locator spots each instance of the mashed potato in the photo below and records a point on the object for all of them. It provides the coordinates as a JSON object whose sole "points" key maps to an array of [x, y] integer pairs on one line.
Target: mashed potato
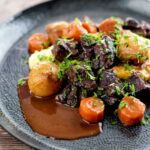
{"points": [[40, 57]]}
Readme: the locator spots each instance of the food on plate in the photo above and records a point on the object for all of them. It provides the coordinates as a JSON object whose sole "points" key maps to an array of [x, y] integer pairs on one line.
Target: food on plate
{"points": [[40, 57], [43, 79], [133, 47], [131, 111], [37, 42], [92, 109], [55, 30], [88, 68]]}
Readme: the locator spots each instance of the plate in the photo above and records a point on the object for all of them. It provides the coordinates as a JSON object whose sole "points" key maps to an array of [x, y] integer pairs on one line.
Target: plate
{"points": [[14, 36]]}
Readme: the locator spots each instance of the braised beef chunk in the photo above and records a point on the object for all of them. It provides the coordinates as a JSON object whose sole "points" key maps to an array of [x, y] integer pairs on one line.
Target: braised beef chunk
{"points": [[135, 84], [132, 22], [62, 97], [104, 53], [109, 87], [82, 76], [68, 96], [72, 98], [64, 47], [141, 28], [145, 25], [87, 44]]}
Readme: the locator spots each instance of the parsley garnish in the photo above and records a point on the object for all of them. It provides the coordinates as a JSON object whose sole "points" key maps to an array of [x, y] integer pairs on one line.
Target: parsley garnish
{"points": [[90, 76], [42, 57], [114, 122], [118, 90], [23, 57], [95, 95], [123, 104], [95, 103], [21, 82]]}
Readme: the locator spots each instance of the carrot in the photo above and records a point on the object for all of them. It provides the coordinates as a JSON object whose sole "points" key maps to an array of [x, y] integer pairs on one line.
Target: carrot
{"points": [[55, 30], [74, 30], [89, 27], [92, 109], [38, 41], [131, 111], [108, 26]]}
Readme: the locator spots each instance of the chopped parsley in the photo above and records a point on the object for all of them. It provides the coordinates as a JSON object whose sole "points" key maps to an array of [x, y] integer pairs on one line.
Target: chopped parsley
{"points": [[94, 103], [64, 94], [143, 122], [73, 45], [91, 39], [90, 76], [126, 36], [118, 90], [21, 82], [26, 62], [132, 88], [23, 57], [95, 95], [114, 122], [42, 57], [123, 104]]}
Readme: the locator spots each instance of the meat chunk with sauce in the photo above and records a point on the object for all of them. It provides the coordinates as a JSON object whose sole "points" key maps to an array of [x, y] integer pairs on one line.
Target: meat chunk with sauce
{"points": [[104, 53], [109, 87], [68, 96], [82, 76], [136, 84], [64, 47]]}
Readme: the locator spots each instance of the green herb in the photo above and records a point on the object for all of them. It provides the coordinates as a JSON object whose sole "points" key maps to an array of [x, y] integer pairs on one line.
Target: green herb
{"points": [[91, 39], [115, 112], [146, 42], [42, 57], [26, 62], [59, 42], [73, 45], [90, 76], [103, 96], [126, 36], [123, 104], [135, 39], [74, 105], [114, 122], [110, 56], [52, 59], [101, 69], [147, 117], [95, 95], [21, 82], [44, 44], [79, 78], [118, 90], [23, 57], [77, 20], [101, 89], [143, 122], [95, 103], [128, 67], [132, 88], [125, 43], [84, 91], [64, 94], [101, 77], [119, 21]]}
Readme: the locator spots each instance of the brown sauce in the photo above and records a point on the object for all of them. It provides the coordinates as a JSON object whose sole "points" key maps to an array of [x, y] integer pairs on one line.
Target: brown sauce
{"points": [[52, 119]]}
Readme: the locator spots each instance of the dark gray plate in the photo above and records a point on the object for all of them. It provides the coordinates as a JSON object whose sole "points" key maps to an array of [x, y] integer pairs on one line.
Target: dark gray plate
{"points": [[14, 35]]}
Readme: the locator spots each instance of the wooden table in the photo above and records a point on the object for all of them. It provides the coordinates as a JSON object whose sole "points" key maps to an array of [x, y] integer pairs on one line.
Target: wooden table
{"points": [[8, 8]]}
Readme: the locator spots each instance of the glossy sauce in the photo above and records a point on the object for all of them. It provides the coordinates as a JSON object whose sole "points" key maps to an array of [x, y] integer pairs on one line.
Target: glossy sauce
{"points": [[52, 119]]}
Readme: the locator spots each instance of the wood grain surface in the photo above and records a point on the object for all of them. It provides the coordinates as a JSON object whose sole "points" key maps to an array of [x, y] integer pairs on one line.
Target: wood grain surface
{"points": [[8, 8]]}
